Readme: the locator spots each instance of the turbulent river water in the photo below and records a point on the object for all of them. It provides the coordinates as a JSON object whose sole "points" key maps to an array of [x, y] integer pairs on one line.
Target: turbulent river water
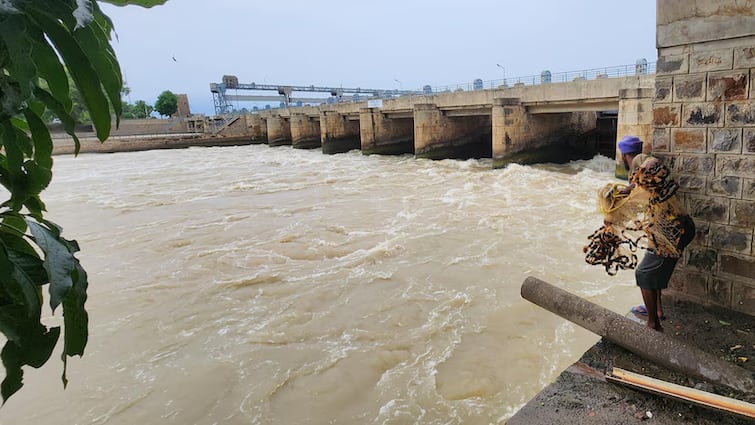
{"points": [[258, 285]]}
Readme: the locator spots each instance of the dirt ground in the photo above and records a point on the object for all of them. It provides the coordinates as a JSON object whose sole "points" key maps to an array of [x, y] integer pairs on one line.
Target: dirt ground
{"points": [[581, 395]]}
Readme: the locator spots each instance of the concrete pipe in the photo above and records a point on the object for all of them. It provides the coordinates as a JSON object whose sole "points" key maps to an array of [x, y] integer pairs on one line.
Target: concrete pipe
{"points": [[639, 339]]}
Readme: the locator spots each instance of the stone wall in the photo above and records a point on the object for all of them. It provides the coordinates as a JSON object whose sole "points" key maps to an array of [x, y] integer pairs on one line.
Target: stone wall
{"points": [[129, 128], [704, 126]]}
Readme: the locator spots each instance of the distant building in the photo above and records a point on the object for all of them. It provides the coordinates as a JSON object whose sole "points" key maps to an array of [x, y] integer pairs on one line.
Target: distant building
{"points": [[183, 106]]}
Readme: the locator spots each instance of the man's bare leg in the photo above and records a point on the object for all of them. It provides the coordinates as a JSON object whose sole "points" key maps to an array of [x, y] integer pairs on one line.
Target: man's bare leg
{"points": [[660, 305], [650, 297]]}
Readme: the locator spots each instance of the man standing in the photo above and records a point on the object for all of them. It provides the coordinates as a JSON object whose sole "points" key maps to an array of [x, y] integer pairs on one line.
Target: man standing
{"points": [[667, 226]]}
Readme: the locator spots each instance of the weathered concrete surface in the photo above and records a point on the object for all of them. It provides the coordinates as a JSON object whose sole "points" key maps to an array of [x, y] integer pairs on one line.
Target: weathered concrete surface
{"points": [[305, 131], [133, 127], [635, 118], [521, 137], [278, 130], [581, 395], [381, 134], [438, 136], [683, 22], [339, 131], [568, 96], [257, 128], [63, 146], [654, 346], [703, 118]]}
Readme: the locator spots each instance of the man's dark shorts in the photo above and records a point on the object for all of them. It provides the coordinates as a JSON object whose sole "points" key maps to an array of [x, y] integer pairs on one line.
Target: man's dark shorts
{"points": [[654, 271]]}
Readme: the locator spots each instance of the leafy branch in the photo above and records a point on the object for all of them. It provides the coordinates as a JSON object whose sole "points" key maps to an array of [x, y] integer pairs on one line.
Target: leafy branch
{"points": [[42, 42]]}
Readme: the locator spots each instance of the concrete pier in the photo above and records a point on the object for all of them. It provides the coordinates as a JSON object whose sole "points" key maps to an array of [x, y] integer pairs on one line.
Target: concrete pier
{"points": [[636, 118], [305, 131], [339, 132], [278, 130], [257, 128], [437, 135], [526, 138], [386, 133]]}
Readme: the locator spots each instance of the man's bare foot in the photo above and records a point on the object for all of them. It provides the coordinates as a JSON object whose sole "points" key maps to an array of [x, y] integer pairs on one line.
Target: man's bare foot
{"points": [[656, 327]]}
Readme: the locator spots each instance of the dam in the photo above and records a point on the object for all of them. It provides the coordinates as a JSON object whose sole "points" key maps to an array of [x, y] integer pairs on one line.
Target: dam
{"points": [[522, 123], [519, 123]]}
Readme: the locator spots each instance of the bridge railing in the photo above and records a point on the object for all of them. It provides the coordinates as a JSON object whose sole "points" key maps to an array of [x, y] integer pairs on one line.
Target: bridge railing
{"points": [[530, 80], [557, 77]]}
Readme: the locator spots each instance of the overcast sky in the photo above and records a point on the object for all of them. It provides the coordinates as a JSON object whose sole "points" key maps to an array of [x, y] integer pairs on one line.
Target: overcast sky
{"points": [[381, 44]]}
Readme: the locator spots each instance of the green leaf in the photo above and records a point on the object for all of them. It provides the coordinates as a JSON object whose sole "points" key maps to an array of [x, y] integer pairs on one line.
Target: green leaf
{"points": [[33, 350], [37, 108], [14, 376], [38, 177], [23, 141], [13, 162], [50, 68], [19, 123], [14, 224], [59, 262], [31, 265], [38, 346], [82, 72], [12, 321], [725, 323], [93, 40], [75, 317], [69, 124], [17, 288], [15, 36], [35, 206], [11, 95], [42, 141]]}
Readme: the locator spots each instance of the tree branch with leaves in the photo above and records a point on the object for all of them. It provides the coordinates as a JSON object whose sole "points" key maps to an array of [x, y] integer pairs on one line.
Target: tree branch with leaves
{"points": [[41, 43]]}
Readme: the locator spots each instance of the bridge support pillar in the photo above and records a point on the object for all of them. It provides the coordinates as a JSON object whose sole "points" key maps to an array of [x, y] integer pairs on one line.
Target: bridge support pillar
{"points": [[278, 131], [338, 133], [383, 135], [257, 128], [438, 136], [509, 130], [635, 119], [305, 131], [525, 138]]}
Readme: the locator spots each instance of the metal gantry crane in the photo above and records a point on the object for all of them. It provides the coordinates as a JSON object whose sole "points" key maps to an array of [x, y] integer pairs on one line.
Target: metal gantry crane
{"points": [[223, 100]]}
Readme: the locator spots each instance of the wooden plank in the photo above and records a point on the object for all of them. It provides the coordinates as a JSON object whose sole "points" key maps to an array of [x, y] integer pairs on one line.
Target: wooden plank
{"points": [[683, 393]]}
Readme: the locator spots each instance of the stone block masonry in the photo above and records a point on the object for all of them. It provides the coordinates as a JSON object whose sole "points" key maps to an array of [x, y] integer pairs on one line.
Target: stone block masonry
{"points": [[704, 128]]}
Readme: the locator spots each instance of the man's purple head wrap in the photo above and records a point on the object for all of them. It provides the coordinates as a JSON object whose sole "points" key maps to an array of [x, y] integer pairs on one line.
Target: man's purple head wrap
{"points": [[630, 145]]}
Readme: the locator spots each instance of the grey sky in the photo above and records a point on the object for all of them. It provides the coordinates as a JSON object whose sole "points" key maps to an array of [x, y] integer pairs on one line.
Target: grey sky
{"points": [[355, 43]]}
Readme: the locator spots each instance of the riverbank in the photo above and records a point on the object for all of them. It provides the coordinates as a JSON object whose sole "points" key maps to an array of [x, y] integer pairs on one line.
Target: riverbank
{"points": [[582, 395], [63, 146]]}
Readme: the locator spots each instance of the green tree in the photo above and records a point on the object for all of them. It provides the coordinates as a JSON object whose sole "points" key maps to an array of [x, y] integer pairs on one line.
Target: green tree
{"points": [[41, 44], [141, 109], [167, 103]]}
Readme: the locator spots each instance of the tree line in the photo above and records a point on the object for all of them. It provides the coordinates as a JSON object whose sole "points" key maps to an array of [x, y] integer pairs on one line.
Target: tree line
{"points": [[165, 105]]}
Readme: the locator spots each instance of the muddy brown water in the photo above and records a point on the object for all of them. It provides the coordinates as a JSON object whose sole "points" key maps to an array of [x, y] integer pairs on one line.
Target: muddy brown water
{"points": [[264, 285]]}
